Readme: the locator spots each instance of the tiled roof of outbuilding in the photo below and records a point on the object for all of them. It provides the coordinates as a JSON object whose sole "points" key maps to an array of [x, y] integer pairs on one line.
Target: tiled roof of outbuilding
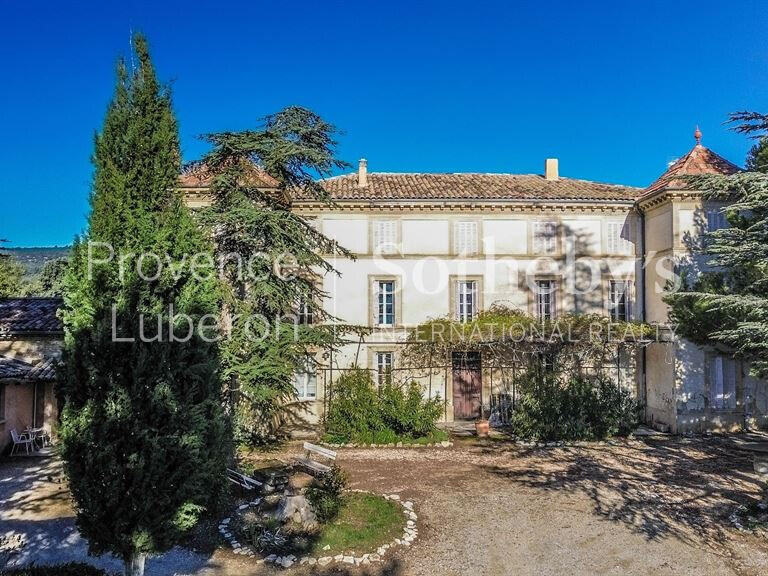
{"points": [[14, 369], [19, 316]]}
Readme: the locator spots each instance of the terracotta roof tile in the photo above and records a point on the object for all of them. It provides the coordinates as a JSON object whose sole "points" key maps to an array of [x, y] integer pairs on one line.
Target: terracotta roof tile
{"points": [[198, 175], [20, 316], [700, 160], [425, 186], [468, 186]]}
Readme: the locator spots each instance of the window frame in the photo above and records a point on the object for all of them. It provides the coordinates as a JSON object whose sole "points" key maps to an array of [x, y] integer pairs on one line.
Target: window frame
{"points": [[307, 373], [726, 400], [463, 313], [373, 301], [550, 294], [613, 304], [719, 215], [378, 355]]}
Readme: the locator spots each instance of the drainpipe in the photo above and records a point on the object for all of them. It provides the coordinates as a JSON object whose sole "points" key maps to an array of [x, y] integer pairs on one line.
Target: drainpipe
{"points": [[34, 405], [645, 313]]}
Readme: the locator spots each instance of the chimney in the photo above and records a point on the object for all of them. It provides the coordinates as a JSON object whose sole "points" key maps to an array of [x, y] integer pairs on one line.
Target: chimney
{"points": [[362, 173], [550, 169]]}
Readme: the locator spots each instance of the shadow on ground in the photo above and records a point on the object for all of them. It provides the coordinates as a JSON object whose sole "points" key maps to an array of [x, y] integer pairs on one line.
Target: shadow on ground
{"points": [[658, 487]]}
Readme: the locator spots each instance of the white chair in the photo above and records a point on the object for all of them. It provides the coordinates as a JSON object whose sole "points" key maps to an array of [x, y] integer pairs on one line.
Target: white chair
{"points": [[22, 440]]}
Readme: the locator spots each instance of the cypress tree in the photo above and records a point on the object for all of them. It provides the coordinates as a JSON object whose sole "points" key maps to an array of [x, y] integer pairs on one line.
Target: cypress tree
{"points": [[143, 434]]}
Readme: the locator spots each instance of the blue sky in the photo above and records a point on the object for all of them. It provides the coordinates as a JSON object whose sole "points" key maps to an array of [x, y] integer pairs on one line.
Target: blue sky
{"points": [[613, 89]]}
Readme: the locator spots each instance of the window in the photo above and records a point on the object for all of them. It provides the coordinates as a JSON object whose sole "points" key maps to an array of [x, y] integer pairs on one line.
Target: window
{"points": [[465, 238], [385, 303], [305, 380], [305, 314], [716, 219], [545, 299], [384, 363], [721, 376], [466, 300], [385, 237], [619, 300], [616, 243], [544, 237]]}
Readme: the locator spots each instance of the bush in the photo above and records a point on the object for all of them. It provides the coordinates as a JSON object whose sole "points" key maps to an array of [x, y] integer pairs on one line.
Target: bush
{"points": [[581, 408], [327, 496], [71, 569], [360, 413]]}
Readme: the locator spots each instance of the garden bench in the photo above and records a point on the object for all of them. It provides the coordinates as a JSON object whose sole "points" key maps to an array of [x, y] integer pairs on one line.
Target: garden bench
{"points": [[310, 463], [242, 480]]}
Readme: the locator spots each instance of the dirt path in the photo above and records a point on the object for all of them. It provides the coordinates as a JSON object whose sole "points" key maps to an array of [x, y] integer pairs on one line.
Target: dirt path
{"points": [[655, 507]]}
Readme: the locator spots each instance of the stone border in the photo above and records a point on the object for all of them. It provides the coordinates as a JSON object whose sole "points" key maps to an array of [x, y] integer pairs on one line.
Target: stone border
{"points": [[443, 444], [410, 532]]}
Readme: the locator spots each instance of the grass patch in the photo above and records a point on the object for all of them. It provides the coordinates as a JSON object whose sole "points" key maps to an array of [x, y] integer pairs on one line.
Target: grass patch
{"points": [[365, 522]]}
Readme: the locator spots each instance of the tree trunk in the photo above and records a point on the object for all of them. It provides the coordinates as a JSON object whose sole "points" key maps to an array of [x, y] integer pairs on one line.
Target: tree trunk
{"points": [[134, 566]]}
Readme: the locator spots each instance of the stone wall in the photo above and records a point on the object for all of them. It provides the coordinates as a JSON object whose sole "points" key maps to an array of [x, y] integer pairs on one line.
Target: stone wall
{"points": [[31, 349]]}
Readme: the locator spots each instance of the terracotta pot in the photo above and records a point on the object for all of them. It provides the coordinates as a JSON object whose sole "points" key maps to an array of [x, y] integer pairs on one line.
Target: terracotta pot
{"points": [[482, 427]]}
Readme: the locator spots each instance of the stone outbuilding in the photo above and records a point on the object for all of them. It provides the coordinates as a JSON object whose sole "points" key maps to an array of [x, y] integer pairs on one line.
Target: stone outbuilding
{"points": [[30, 344]]}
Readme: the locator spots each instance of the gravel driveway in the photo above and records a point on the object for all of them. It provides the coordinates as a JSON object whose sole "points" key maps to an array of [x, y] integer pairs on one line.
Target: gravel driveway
{"points": [[658, 506]]}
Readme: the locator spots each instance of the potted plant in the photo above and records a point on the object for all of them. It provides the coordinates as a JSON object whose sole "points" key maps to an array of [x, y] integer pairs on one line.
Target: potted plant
{"points": [[482, 428]]}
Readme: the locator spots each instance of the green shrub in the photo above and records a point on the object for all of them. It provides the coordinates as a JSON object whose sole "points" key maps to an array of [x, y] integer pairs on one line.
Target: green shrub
{"points": [[407, 413], [71, 569], [327, 496], [360, 413], [581, 408]]}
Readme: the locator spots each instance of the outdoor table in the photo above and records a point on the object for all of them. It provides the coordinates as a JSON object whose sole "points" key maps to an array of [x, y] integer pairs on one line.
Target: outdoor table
{"points": [[38, 435]]}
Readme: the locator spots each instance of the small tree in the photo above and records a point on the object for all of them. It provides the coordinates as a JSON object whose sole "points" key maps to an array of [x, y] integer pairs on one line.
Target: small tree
{"points": [[728, 305], [11, 273], [143, 436], [282, 253]]}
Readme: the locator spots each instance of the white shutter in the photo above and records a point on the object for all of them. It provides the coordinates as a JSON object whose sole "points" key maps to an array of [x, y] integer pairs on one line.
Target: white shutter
{"points": [[385, 236], [716, 374], [465, 238], [729, 383], [538, 246], [544, 237], [614, 231]]}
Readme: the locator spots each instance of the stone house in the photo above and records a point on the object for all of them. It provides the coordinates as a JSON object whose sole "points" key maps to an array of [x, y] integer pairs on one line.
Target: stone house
{"points": [[30, 344], [436, 245]]}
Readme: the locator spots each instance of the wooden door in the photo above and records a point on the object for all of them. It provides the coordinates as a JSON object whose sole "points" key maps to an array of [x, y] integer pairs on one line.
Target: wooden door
{"points": [[467, 386]]}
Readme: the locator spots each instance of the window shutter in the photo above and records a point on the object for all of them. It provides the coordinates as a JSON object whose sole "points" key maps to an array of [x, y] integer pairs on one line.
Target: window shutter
{"points": [[716, 373], [613, 237], [457, 290], [385, 236], [465, 240], [544, 237]]}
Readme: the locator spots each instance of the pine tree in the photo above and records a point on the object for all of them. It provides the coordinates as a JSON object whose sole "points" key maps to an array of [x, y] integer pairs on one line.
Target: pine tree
{"points": [[729, 304], [295, 147], [143, 434], [757, 158]]}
